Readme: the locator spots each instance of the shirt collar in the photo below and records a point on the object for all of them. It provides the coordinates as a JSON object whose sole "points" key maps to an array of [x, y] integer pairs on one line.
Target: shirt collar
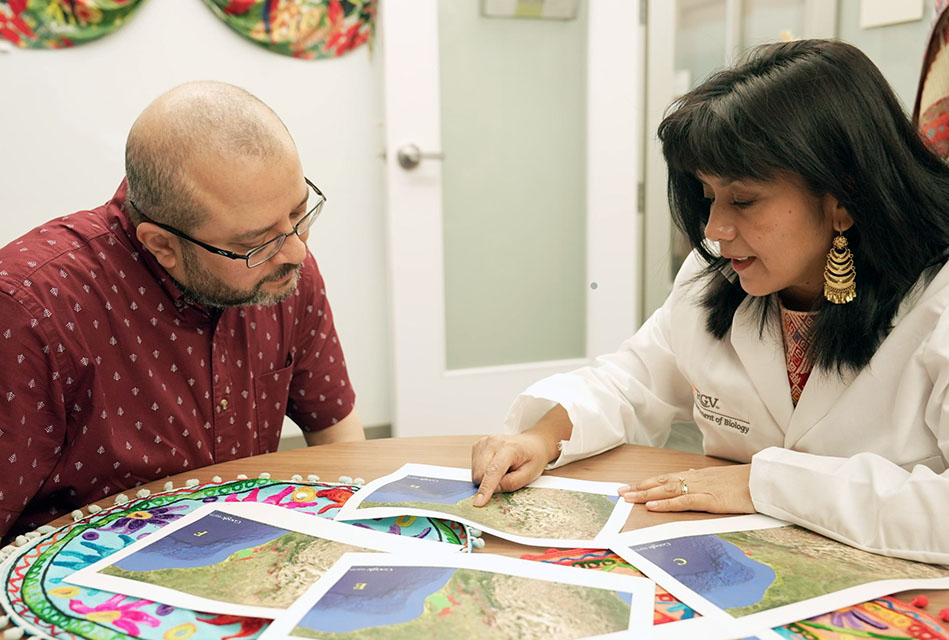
{"points": [[124, 230]]}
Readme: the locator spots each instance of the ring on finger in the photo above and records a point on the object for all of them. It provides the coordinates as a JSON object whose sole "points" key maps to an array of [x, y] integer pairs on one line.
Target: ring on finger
{"points": [[683, 487]]}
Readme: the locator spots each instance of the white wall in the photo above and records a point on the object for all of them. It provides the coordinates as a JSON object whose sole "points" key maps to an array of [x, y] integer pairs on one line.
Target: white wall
{"points": [[65, 115], [897, 49]]}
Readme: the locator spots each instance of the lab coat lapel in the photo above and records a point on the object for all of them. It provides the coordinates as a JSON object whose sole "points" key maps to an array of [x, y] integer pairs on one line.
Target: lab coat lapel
{"points": [[762, 356], [820, 394]]}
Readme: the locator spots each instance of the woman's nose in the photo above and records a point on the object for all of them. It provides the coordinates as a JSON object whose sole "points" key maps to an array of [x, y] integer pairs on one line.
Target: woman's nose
{"points": [[718, 228]]}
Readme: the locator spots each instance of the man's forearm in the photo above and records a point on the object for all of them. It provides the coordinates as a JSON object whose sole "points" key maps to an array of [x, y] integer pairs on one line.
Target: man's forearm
{"points": [[347, 429]]}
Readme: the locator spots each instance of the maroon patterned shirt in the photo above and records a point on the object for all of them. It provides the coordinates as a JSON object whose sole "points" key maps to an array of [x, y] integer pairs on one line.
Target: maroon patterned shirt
{"points": [[109, 378]]}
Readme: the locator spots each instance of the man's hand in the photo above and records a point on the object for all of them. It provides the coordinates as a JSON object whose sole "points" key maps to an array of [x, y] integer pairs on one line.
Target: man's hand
{"points": [[712, 489]]}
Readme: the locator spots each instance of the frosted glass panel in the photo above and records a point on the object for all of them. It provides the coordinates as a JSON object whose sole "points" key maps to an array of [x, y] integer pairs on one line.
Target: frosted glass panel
{"points": [[513, 100], [700, 41], [771, 21]]}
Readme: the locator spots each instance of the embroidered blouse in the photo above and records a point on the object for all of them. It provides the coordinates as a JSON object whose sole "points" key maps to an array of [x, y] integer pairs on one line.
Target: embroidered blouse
{"points": [[796, 326]]}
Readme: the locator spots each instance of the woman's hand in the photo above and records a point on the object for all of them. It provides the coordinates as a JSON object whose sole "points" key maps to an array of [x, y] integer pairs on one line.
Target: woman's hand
{"points": [[508, 462], [712, 489]]}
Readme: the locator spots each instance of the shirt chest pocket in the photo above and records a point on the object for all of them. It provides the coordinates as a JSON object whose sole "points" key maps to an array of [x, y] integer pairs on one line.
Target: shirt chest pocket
{"points": [[271, 393]]}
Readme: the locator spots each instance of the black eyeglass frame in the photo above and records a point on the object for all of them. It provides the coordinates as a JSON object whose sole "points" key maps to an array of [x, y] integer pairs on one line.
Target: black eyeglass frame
{"points": [[308, 219]]}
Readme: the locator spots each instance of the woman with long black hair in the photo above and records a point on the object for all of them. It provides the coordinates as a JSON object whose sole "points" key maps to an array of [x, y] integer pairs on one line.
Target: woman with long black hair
{"points": [[807, 335]]}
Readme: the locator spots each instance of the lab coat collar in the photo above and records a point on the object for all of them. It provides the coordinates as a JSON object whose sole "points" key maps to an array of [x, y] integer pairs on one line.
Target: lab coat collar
{"points": [[763, 355]]}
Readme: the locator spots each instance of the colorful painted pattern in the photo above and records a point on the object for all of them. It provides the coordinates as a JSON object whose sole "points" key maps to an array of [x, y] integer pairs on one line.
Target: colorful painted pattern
{"points": [[301, 28], [884, 618], [37, 599], [931, 118], [55, 24], [308, 29], [934, 127]]}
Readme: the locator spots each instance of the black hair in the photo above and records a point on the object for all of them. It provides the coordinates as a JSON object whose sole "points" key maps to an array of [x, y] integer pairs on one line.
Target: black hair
{"points": [[819, 109]]}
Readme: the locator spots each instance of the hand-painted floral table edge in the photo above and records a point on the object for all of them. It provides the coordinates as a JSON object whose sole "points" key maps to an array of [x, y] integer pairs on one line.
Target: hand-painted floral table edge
{"points": [[38, 602]]}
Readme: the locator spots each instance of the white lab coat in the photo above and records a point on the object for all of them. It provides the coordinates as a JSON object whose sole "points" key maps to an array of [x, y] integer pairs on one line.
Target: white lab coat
{"points": [[862, 458]]}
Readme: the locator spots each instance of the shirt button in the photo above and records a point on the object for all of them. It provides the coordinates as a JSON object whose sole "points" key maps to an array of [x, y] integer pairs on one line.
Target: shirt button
{"points": [[179, 303], [222, 406]]}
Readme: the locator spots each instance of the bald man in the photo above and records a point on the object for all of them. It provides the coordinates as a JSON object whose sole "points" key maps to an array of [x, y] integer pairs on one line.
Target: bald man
{"points": [[176, 325]]}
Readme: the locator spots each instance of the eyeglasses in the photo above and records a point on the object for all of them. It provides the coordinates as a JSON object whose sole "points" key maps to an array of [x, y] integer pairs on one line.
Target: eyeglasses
{"points": [[260, 254]]}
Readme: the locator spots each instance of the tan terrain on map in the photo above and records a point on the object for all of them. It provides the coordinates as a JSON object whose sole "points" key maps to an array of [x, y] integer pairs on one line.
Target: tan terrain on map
{"points": [[807, 565], [482, 604], [273, 574], [532, 512]]}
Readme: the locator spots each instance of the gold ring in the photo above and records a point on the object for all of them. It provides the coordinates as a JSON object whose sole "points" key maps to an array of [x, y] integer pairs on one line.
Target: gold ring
{"points": [[683, 487]]}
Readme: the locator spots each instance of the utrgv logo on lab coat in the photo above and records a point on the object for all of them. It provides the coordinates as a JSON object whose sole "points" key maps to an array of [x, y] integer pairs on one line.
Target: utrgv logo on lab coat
{"points": [[709, 407], [706, 401]]}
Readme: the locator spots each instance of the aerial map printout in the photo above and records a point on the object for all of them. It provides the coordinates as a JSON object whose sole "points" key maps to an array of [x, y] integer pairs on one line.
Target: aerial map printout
{"points": [[758, 572], [550, 512], [244, 559], [466, 596]]}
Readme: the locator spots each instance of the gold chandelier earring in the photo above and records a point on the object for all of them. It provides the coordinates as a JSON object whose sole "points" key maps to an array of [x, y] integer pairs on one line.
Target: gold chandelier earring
{"points": [[839, 275]]}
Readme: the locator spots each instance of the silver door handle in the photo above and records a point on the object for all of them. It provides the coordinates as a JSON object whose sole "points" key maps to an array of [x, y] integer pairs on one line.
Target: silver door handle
{"points": [[409, 156]]}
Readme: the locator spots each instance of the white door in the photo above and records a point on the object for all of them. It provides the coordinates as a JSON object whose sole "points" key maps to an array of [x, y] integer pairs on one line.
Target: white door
{"points": [[513, 243]]}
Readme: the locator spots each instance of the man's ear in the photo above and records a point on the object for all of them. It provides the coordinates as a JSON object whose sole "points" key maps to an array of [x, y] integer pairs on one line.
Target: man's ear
{"points": [[161, 244]]}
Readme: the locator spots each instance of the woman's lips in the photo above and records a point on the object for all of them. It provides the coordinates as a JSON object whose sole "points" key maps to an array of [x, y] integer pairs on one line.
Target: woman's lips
{"points": [[739, 265]]}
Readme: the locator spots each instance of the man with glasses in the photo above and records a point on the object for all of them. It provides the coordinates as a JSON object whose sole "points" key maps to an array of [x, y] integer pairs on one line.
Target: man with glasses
{"points": [[176, 325]]}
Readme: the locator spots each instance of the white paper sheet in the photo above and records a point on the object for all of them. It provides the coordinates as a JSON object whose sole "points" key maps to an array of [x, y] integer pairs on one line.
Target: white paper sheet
{"points": [[244, 559], [711, 629], [549, 512], [468, 596], [755, 572]]}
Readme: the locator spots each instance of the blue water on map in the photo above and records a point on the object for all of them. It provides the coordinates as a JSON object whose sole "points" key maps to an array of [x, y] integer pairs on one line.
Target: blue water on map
{"points": [[418, 489], [374, 597], [202, 543], [712, 567], [434, 490]]}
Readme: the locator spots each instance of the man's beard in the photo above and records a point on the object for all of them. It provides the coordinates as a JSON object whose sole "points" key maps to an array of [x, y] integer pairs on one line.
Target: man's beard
{"points": [[208, 290]]}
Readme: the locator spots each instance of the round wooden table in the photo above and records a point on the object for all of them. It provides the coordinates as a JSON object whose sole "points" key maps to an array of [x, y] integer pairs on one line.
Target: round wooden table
{"points": [[371, 459]]}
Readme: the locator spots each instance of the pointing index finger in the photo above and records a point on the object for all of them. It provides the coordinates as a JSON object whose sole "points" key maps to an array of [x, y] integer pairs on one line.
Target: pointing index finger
{"points": [[494, 472]]}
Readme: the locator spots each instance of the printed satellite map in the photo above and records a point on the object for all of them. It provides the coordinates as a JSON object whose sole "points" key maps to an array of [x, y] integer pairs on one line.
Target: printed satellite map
{"points": [[532, 512], [435, 602]]}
